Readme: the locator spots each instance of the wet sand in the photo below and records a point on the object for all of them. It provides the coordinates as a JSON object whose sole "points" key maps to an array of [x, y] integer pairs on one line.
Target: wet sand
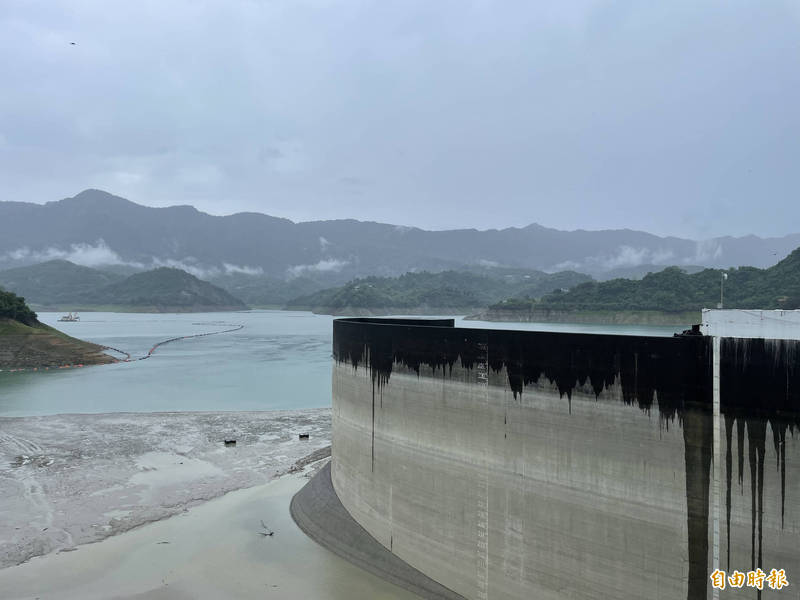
{"points": [[212, 551]]}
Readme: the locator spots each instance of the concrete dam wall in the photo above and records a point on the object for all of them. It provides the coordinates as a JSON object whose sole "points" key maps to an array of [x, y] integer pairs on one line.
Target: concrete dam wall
{"points": [[510, 464]]}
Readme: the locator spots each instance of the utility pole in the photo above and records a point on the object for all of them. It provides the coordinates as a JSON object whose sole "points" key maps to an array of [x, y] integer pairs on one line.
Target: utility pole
{"points": [[722, 288], [715, 443]]}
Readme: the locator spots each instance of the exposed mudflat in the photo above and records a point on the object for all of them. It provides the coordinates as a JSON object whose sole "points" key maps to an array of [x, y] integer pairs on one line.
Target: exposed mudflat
{"points": [[212, 551], [67, 480]]}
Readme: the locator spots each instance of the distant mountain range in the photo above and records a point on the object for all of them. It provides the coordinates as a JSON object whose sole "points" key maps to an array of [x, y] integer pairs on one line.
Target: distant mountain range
{"points": [[64, 285], [95, 228]]}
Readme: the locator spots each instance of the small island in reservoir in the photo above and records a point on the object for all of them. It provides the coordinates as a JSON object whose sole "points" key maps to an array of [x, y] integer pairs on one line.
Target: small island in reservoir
{"points": [[26, 343]]}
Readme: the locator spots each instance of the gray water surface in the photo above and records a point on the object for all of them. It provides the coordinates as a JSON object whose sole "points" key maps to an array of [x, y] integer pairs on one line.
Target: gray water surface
{"points": [[278, 360]]}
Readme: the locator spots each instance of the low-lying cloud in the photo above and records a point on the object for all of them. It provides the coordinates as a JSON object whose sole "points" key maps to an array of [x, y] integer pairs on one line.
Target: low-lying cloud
{"points": [[706, 250], [624, 256], [87, 255], [483, 262], [188, 265], [242, 269], [201, 271], [326, 265], [100, 254], [628, 256]]}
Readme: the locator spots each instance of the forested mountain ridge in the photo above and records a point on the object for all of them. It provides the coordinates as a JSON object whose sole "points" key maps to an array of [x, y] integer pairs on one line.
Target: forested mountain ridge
{"points": [[673, 290], [55, 281], [168, 289], [425, 291], [62, 285]]}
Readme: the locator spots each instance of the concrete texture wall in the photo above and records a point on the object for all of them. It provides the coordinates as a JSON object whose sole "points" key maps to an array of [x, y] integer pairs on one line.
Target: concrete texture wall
{"points": [[545, 465], [769, 324]]}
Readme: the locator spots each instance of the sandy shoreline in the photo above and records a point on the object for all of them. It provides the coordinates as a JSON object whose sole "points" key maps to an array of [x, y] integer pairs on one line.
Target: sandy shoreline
{"points": [[67, 480]]}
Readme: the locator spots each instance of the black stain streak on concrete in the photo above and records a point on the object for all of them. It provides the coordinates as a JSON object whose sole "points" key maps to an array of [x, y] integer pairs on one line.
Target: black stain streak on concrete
{"points": [[728, 474], [697, 441], [675, 370], [373, 345], [761, 385]]}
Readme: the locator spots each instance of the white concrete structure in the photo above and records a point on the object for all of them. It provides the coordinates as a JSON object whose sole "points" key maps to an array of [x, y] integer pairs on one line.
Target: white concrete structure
{"points": [[765, 324], [737, 323]]}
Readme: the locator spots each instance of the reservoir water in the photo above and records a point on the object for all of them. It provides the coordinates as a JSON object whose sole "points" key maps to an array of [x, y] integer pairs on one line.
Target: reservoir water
{"points": [[278, 360]]}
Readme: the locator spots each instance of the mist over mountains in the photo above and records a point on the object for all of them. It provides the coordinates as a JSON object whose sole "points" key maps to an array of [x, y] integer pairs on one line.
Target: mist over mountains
{"points": [[56, 284], [95, 228]]}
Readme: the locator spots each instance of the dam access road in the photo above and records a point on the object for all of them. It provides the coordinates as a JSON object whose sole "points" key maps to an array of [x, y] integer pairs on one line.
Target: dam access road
{"points": [[519, 464]]}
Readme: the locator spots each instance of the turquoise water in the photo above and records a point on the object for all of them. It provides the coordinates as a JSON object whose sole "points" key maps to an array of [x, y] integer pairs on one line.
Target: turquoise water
{"points": [[278, 360]]}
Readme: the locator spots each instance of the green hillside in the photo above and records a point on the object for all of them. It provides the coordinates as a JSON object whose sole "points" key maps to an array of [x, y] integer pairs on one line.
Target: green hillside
{"points": [[55, 282], [673, 290], [264, 291], [62, 285], [26, 343], [13, 308], [433, 291], [166, 289]]}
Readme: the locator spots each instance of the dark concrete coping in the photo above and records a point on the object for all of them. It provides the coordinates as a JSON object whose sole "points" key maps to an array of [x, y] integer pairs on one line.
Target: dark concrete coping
{"points": [[318, 511], [409, 321]]}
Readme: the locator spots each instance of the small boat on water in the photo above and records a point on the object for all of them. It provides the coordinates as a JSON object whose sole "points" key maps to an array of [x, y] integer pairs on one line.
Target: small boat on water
{"points": [[70, 318]]}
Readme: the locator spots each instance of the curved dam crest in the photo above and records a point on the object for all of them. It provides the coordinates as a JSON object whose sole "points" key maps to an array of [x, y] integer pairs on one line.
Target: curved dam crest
{"points": [[641, 366], [506, 463]]}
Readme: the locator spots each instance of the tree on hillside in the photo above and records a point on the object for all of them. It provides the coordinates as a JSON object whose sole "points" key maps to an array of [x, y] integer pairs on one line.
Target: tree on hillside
{"points": [[14, 307]]}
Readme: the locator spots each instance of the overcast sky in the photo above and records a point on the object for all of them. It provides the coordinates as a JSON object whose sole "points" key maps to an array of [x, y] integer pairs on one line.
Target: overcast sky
{"points": [[677, 117]]}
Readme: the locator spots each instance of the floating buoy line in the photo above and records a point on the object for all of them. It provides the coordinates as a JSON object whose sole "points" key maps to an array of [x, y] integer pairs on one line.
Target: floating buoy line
{"points": [[175, 339], [128, 357]]}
